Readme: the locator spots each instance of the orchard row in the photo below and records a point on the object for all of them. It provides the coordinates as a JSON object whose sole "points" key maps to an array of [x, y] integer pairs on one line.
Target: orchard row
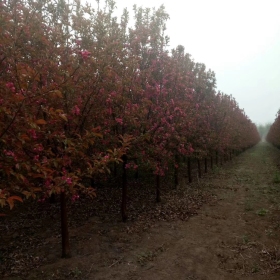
{"points": [[81, 92], [273, 135]]}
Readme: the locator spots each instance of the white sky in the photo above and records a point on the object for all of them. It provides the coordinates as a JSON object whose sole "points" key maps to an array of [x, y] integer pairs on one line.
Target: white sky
{"points": [[238, 39]]}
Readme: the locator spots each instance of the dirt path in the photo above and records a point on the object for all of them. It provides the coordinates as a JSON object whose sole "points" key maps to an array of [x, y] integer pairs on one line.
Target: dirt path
{"points": [[236, 236]]}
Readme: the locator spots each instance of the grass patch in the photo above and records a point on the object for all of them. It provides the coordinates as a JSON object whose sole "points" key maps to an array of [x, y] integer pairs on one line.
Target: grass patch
{"points": [[262, 212], [255, 268], [76, 272], [245, 239], [145, 257], [269, 232], [276, 178], [216, 169], [248, 206]]}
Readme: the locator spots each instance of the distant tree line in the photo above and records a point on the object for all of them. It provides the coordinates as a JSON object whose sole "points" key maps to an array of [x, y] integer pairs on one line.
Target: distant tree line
{"points": [[273, 135]]}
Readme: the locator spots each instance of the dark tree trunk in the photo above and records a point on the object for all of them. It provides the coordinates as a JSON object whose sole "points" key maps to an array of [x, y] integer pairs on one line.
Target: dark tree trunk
{"points": [[66, 253], [189, 170], [205, 165], [176, 180], [211, 162], [136, 174], [124, 189], [199, 168], [52, 198], [158, 198], [92, 182], [115, 171], [176, 171]]}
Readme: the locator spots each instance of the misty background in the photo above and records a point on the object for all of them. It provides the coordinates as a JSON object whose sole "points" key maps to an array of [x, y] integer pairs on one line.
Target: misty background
{"points": [[239, 40]]}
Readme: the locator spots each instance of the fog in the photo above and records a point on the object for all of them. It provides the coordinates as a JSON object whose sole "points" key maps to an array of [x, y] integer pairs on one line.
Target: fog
{"points": [[239, 40]]}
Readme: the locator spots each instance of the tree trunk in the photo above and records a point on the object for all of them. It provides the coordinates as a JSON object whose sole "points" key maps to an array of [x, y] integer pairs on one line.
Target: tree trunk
{"points": [[176, 179], [199, 168], [92, 182], [136, 174], [211, 162], [205, 165], [217, 158], [52, 198], [66, 252], [158, 199], [115, 172], [124, 190], [189, 170]]}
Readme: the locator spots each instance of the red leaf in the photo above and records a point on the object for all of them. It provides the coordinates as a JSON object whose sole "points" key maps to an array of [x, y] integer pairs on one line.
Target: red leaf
{"points": [[41, 121]]}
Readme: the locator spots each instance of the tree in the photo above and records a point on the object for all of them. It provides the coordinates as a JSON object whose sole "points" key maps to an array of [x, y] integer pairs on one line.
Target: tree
{"points": [[273, 135], [80, 92]]}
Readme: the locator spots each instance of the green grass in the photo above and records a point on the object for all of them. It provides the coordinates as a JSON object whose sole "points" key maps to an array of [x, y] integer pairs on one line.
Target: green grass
{"points": [[248, 206], [276, 178], [216, 169], [147, 256], [245, 239], [76, 272], [255, 268], [262, 212], [144, 257]]}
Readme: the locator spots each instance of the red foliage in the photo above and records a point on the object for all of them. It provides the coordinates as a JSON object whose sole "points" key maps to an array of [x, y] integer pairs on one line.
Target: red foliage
{"points": [[78, 91], [273, 135]]}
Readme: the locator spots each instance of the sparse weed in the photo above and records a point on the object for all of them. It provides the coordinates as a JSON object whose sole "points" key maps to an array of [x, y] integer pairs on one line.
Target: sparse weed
{"points": [[262, 212], [276, 178], [269, 232], [145, 257], [245, 239], [276, 226], [216, 169], [248, 206], [255, 268], [76, 272]]}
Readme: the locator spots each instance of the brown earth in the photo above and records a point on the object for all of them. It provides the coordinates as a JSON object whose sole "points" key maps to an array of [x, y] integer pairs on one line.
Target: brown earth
{"points": [[226, 226]]}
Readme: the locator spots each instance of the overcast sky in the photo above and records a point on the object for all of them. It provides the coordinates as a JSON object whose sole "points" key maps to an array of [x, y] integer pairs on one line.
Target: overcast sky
{"points": [[238, 39]]}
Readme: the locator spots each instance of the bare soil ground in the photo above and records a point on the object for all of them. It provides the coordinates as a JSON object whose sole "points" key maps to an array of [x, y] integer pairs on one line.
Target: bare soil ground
{"points": [[226, 226]]}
